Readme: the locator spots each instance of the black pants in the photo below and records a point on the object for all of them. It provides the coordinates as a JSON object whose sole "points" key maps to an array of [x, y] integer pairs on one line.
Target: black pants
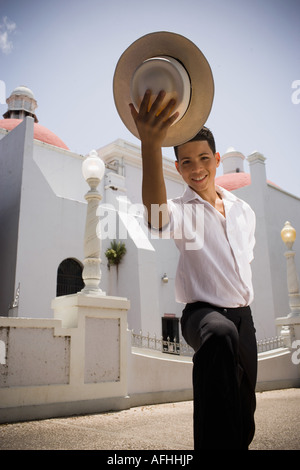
{"points": [[224, 374]]}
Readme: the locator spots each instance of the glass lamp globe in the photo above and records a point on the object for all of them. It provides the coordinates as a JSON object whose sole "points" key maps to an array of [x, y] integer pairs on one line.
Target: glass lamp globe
{"points": [[93, 167], [288, 234]]}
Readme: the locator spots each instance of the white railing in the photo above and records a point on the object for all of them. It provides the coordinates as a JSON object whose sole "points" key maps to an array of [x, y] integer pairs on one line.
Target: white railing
{"points": [[139, 340], [269, 344]]}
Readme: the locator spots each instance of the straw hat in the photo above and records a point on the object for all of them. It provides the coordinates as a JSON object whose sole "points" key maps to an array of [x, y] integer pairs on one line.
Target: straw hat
{"points": [[170, 62]]}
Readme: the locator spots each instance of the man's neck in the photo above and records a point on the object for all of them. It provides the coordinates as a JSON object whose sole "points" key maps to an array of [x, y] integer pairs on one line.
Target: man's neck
{"points": [[213, 198], [210, 195]]}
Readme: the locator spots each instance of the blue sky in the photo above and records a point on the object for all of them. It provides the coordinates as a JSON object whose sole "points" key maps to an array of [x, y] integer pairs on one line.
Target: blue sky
{"points": [[66, 52]]}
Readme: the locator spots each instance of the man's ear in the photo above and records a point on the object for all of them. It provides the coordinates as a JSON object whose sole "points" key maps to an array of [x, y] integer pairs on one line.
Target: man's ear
{"points": [[177, 166], [218, 158]]}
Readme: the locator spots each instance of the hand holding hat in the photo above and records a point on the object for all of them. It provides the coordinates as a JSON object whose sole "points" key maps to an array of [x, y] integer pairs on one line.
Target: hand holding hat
{"points": [[154, 117]]}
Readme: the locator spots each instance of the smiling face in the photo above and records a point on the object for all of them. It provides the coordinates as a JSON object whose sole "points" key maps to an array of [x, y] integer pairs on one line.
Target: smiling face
{"points": [[197, 165]]}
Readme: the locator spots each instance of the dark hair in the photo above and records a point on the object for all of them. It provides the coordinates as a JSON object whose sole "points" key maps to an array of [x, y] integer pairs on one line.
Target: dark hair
{"points": [[203, 134]]}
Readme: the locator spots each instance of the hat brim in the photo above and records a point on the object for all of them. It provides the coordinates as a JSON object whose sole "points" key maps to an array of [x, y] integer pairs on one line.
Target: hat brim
{"points": [[202, 85]]}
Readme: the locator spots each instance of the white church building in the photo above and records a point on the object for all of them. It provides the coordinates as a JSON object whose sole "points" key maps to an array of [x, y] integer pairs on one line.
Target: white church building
{"points": [[43, 213]]}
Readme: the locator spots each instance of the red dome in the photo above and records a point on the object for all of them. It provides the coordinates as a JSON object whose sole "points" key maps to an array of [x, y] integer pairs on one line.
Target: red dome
{"points": [[232, 181], [40, 132]]}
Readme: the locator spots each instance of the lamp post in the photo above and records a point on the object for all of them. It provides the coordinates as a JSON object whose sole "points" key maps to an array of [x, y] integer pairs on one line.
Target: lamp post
{"points": [[288, 235], [93, 169]]}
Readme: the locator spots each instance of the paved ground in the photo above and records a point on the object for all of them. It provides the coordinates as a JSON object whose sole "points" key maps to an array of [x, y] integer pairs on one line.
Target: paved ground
{"points": [[155, 427]]}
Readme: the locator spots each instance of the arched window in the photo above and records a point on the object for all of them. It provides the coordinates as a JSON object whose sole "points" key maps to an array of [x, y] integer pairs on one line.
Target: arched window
{"points": [[69, 277]]}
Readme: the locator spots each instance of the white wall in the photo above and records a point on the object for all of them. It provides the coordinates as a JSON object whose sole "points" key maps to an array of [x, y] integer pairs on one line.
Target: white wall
{"points": [[281, 207], [12, 148], [82, 362], [273, 207], [51, 229], [75, 363]]}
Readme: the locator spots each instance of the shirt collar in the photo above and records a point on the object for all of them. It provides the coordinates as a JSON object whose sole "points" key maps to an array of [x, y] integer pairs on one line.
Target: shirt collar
{"points": [[189, 195]]}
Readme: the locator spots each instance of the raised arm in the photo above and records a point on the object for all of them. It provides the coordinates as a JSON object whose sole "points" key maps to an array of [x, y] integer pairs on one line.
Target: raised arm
{"points": [[152, 124]]}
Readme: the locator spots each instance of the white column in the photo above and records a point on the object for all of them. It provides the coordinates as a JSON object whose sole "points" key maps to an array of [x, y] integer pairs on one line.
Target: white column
{"points": [[93, 170]]}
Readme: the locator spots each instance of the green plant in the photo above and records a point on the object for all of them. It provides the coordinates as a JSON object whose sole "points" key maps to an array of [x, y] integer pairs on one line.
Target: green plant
{"points": [[115, 253]]}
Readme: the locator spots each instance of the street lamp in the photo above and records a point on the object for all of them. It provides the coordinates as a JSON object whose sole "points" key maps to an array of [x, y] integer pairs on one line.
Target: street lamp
{"points": [[288, 235], [93, 169]]}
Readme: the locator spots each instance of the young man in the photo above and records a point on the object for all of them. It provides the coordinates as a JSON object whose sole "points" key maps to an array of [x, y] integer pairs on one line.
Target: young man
{"points": [[214, 232]]}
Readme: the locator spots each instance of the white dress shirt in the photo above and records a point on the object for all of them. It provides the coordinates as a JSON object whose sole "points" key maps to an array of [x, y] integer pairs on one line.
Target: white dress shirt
{"points": [[215, 252]]}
